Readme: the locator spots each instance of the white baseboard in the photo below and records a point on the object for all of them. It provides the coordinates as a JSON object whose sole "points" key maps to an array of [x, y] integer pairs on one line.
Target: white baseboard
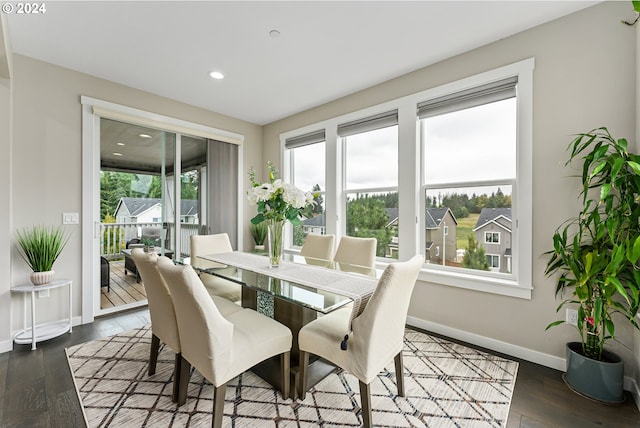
{"points": [[543, 359], [6, 346], [547, 360], [76, 321]]}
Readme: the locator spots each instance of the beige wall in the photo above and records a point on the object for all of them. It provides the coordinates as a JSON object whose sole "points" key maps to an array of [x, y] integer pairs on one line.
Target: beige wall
{"points": [[47, 163], [5, 188], [584, 78]]}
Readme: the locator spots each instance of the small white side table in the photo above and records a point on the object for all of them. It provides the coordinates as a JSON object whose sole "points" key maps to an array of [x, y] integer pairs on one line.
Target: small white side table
{"points": [[40, 332]]}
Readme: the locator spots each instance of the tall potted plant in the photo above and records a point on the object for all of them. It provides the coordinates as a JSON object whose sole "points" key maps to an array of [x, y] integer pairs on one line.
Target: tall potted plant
{"points": [[40, 247], [596, 256]]}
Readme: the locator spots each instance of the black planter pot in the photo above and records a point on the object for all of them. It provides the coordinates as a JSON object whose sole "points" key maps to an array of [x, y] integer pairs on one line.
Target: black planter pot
{"points": [[599, 380]]}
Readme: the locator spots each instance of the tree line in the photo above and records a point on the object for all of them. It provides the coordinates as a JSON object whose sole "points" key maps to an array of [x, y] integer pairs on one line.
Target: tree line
{"points": [[116, 185], [461, 204]]}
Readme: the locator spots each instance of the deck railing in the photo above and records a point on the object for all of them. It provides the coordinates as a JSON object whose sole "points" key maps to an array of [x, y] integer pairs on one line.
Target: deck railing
{"points": [[116, 235]]}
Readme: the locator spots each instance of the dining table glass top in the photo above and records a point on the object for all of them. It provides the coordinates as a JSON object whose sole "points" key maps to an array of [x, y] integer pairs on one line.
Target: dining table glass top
{"points": [[321, 300]]}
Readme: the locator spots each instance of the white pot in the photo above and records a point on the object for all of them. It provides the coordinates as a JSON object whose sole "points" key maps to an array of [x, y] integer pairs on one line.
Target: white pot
{"points": [[41, 278]]}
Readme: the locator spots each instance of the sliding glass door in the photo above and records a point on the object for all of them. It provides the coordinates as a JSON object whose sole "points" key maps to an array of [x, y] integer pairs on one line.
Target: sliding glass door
{"points": [[151, 194]]}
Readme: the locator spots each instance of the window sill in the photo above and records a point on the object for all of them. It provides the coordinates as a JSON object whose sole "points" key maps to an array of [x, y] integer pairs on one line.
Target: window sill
{"points": [[499, 286]]}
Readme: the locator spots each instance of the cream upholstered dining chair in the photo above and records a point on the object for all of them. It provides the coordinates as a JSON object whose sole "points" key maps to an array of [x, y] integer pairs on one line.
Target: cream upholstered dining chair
{"points": [[164, 326], [357, 252], [221, 347], [376, 337], [214, 244], [318, 246]]}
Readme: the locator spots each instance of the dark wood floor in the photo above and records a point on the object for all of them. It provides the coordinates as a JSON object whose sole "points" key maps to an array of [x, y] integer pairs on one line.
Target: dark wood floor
{"points": [[36, 388]]}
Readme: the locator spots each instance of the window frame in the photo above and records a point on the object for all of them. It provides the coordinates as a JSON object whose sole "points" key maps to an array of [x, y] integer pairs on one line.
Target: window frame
{"points": [[493, 257], [288, 174], [411, 225], [342, 140], [491, 233]]}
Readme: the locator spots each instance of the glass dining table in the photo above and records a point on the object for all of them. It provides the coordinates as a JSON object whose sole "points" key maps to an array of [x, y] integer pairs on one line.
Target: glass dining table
{"points": [[294, 294]]}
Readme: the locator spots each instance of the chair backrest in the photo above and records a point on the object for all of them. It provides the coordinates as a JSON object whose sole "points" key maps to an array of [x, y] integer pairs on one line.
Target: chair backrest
{"points": [[206, 336], [378, 331], [318, 246], [357, 251], [153, 233], [209, 244], [163, 317]]}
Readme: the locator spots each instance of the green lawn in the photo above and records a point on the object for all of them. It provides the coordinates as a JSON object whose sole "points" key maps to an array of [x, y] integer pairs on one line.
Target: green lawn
{"points": [[465, 227]]}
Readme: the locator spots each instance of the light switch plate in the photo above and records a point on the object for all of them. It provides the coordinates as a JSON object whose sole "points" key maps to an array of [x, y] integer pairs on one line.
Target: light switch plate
{"points": [[70, 218]]}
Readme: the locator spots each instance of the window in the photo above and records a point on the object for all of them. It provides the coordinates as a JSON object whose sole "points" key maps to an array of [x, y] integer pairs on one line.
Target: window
{"points": [[493, 261], [491, 237], [469, 170], [457, 184], [306, 160], [370, 148]]}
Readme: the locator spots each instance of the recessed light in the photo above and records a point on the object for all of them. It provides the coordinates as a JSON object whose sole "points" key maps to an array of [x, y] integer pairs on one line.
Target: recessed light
{"points": [[274, 33], [117, 154], [216, 75], [144, 136], [120, 144]]}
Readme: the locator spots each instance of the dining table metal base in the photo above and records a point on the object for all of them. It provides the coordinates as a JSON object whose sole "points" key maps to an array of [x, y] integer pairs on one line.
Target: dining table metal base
{"points": [[295, 317]]}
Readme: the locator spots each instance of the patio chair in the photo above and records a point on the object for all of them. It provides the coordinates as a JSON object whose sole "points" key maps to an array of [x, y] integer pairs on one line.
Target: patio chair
{"points": [[105, 272]]}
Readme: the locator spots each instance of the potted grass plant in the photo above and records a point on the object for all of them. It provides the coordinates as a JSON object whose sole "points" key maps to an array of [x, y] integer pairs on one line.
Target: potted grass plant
{"points": [[596, 256], [259, 234], [40, 246]]}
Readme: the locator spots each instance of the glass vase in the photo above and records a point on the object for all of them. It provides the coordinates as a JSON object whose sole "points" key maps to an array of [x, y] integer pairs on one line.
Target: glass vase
{"points": [[275, 236]]}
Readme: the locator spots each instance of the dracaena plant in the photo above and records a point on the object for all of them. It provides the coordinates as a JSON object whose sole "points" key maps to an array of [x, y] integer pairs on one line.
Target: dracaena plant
{"points": [[596, 253]]}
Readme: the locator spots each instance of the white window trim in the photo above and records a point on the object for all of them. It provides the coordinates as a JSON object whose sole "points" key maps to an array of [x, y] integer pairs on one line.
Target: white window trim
{"points": [[497, 257], [93, 110], [488, 233], [519, 283]]}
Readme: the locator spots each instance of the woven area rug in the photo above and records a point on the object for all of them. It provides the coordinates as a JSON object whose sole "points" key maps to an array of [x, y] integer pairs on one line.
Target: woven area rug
{"points": [[446, 385]]}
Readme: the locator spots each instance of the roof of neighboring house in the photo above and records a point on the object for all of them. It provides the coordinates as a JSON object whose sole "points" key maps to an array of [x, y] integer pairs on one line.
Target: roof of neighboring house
{"points": [[499, 216], [138, 206], [435, 216], [314, 221], [392, 215]]}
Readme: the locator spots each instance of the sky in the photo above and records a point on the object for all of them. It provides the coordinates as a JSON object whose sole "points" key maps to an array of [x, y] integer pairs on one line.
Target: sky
{"points": [[484, 148]]}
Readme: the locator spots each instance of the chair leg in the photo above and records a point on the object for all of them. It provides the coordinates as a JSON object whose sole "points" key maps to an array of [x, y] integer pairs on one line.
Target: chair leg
{"points": [[218, 405], [177, 371], [183, 386], [399, 374], [304, 365], [153, 354], [285, 369], [365, 399]]}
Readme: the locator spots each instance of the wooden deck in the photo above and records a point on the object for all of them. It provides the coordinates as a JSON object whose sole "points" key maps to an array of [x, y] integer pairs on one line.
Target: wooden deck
{"points": [[124, 288]]}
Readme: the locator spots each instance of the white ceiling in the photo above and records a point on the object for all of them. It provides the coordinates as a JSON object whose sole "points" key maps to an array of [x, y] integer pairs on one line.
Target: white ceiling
{"points": [[325, 50]]}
